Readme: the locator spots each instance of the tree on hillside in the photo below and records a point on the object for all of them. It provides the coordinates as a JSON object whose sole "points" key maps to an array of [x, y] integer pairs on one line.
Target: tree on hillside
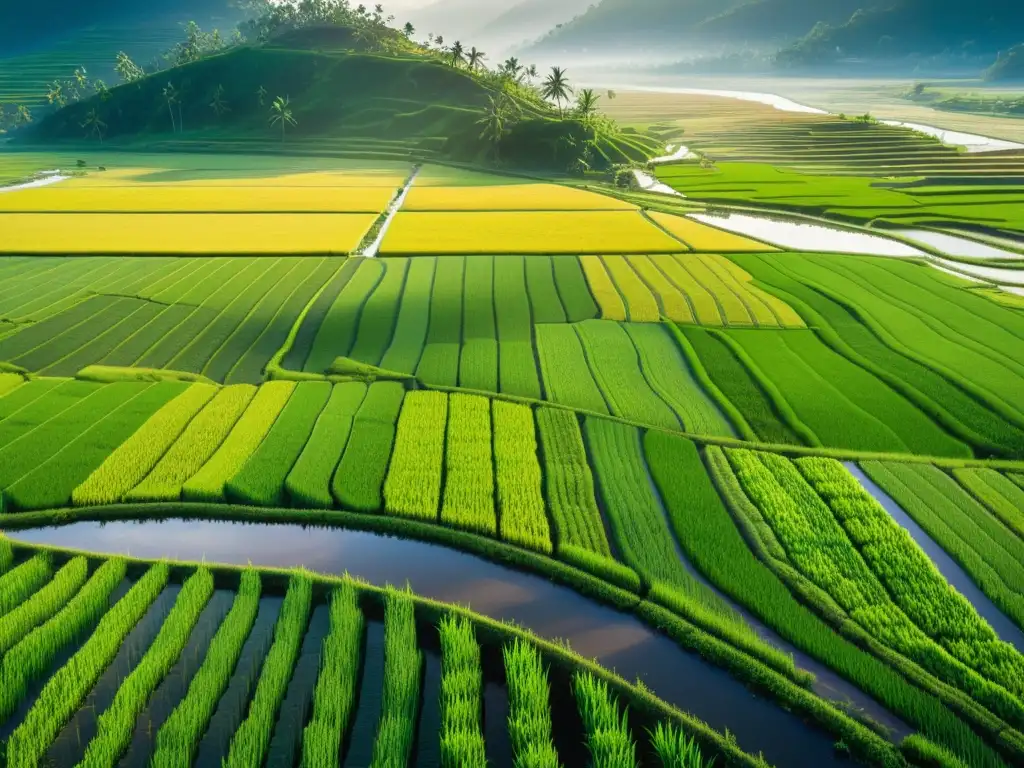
{"points": [[94, 125], [261, 96], [496, 121], [439, 42], [55, 94], [586, 104], [409, 29], [127, 69], [172, 97], [556, 87], [23, 116], [281, 114], [475, 59], [219, 105], [457, 54]]}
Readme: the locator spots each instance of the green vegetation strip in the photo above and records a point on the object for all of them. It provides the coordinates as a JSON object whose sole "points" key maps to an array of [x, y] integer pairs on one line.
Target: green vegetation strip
{"points": [[403, 666], [17, 584], [115, 725], [606, 726], [469, 477], [360, 476], [178, 739], [529, 719], [462, 685], [1002, 497], [17, 623], [336, 693], [66, 689], [522, 516], [413, 485], [251, 740], [31, 657]]}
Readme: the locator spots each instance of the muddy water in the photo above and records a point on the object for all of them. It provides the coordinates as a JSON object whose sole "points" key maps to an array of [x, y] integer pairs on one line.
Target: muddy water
{"points": [[616, 640]]}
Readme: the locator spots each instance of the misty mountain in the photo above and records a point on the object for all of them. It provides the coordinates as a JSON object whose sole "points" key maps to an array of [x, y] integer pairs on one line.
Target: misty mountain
{"points": [[455, 19], [530, 19]]}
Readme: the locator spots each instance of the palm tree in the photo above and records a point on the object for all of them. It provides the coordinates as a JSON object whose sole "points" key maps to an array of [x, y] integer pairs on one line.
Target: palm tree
{"points": [[439, 41], [512, 69], [219, 105], [495, 122], [409, 29], [281, 114], [475, 58], [171, 96], [457, 54], [55, 94], [94, 125], [23, 116], [557, 87], [531, 72], [586, 104], [261, 95]]}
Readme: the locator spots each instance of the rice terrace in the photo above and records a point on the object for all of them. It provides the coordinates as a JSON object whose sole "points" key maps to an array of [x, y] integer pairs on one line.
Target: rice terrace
{"points": [[367, 401]]}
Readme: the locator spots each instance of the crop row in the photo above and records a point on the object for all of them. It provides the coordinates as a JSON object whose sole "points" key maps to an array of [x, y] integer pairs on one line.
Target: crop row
{"points": [[820, 546], [16, 623], [529, 703], [469, 468], [605, 725], [1001, 496], [462, 685], [403, 663]]}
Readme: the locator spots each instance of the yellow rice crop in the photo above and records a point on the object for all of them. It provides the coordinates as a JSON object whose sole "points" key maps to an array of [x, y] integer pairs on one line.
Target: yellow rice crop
{"points": [[761, 312], [111, 233], [703, 302], [571, 232], [601, 285], [510, 197], [144, 178], [640, 302], [673, 302], [783, 314], [701, 237], [730, 304], [181, 199]]}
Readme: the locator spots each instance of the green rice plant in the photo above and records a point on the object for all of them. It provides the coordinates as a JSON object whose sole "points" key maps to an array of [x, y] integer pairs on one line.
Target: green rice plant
{"points": [[440, 361], [126, 467], [251, 740], [50, 484], [261, 480], [17, 584], [963, 415], [522, 516], [809, 529], [403, 664], [670, 377], [570, 483], [540, 285], [6, 555], [178, 738], [616, 367], [413, 318], [605, 568], [478, 365], [922, 751], [462, 685], [517, 367], [911, 577], [309, 482], [413, 485], [200, 440], [572, 289], [43, 604], [51, 405], [379, 314], [563, 365], [529, 717], [989, 552], [360, 476], [675, 749], [759, 588], [65, 690], [304, 336], [34, 654], [248, 433], [115, 725], [609, 740], [337, 330], [10, 382], [334, 698], [1002, 498], [469, 477], [739, 389], [641, 305], [842, 404], [25, 395]]}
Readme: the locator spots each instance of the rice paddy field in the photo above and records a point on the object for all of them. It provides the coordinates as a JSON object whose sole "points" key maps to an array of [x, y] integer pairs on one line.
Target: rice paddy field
{"points": [[320, 461]]}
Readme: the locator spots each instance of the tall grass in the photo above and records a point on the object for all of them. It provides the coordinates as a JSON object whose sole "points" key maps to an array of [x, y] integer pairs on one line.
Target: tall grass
{"points": [[413, 485], [403, 665], [178, 740], [675, 749], [336, 688], [522, 514], [529, 719], [20, 582], [608, 738], [469, 484], [251, 740], [115, 726], [462, 738], [65, 690], [43, 604]]}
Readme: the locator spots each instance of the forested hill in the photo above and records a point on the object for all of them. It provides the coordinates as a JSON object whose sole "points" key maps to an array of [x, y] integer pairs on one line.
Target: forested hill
{"points": [[27, 24], [805, 31]]}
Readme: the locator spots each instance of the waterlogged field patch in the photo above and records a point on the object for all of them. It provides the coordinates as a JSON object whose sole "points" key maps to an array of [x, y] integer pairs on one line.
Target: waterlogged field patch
{"points": [[513, 197], [182, 233], [194, 199], [572, 232]]}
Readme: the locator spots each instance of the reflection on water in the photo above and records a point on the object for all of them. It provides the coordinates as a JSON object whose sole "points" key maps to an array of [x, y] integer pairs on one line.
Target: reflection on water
{"points": [[947, 566], [650, 184], [618, 641], [971, 142], [977, 272], [797, 235], [951, 245]]}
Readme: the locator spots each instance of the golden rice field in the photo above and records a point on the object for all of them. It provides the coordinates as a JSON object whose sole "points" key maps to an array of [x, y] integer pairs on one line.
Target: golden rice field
{"points": [[512, 197], [182, 233], [143, 176], [552, 232], [240, 199], [701, 237]]}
